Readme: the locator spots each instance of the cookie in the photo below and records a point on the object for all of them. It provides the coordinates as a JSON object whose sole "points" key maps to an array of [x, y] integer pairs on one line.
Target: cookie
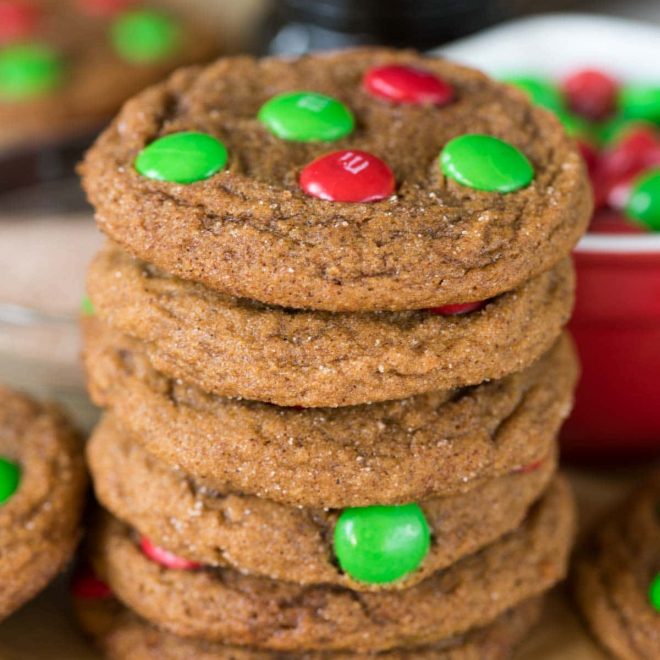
{"points": [[614, 575], [122, 635], [260, 537], [223, 605], [42, 489], [238, 348], [68, 65], [239, 209], [436, 444]]}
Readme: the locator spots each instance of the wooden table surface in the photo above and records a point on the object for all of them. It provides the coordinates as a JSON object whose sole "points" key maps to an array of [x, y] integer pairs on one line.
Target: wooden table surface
{"points": [[45, 630]]}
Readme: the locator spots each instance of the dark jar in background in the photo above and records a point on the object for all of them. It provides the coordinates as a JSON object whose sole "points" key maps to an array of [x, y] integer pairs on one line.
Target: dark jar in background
{"points": [[299, 26]]}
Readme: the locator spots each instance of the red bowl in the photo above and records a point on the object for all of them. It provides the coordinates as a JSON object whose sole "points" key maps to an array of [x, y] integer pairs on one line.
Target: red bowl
{"points": [[616, 327]]}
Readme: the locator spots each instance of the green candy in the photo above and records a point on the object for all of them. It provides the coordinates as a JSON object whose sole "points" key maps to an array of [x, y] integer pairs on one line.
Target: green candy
{"points": [[644, 200], [640, 102], [654, 593], [86, 307], [575, 126], [540, 91], [145, 35], [486, 163], [306, 117], [28, 70], [380, 544], [10, 478], [183, 157]]}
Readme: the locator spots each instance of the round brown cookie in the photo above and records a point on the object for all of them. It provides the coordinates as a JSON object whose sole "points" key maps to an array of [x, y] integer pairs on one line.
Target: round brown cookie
{"points": [[223, 605], [260, 537], [436, 444], [40, 520], [238, 348], [95, 79], [613, 574], [122, 635], [251, 232]]}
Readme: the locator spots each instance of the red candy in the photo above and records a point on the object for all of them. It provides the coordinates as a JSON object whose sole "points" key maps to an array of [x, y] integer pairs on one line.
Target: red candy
{"points": [[530, 467], [105, 8], [348, 176], [166, 558], [458, 308], [17, 20], [86, 585], [406, 84], [591, 93], [637, 151]]}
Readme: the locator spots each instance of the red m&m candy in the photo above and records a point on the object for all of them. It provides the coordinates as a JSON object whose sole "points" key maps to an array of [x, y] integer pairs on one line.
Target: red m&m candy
{"points": [[165, 557], [17, 20], [407, 84], [87, 585], [458, 309], [348, 175], [591, 93]]}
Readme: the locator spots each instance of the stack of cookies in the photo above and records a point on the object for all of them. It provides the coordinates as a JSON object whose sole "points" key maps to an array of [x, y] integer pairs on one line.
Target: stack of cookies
{"points": [[328, 338]]}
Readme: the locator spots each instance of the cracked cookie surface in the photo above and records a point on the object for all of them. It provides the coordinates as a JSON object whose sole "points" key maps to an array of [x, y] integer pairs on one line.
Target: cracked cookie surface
{"points": [[243, 349], [613, 573], [435, 444], [40, 522], [223, 605], [249, 231], [290, 543]]}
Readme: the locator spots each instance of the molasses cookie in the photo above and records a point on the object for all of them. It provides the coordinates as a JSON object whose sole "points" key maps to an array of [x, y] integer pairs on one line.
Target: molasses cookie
{"points": [[366, 179], [122, 635], [223, 605], [239, 348], [42, 489], [67, 65], [617, 577], [435, 444], [260, 537]]}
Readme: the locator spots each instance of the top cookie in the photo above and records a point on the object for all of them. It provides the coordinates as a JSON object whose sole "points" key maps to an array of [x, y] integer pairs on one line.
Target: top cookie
{"points": [[250, 217]]}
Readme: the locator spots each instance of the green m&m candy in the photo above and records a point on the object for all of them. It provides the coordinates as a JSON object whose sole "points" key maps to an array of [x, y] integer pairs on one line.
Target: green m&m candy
{"points": [[654, 593], [10, 477], [640, 102], [86, 307], [643, 202], [183, 157], [486, 163], [145, 35], [540, 91], [306, 117], [380, 544], [28, 70]]}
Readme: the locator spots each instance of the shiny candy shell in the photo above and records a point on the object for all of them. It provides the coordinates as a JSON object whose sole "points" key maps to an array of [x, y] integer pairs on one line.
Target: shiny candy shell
{"points": [[458, 309], [486, 163], [165, 558], [406, 84], [643, 202], [381, 544], [10, 479], [184, 157], [654, 593], [348, 176], [306, 117]]}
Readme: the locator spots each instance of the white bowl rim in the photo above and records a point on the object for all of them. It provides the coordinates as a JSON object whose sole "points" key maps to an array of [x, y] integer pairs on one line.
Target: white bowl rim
{"points": [[551, 27]]}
